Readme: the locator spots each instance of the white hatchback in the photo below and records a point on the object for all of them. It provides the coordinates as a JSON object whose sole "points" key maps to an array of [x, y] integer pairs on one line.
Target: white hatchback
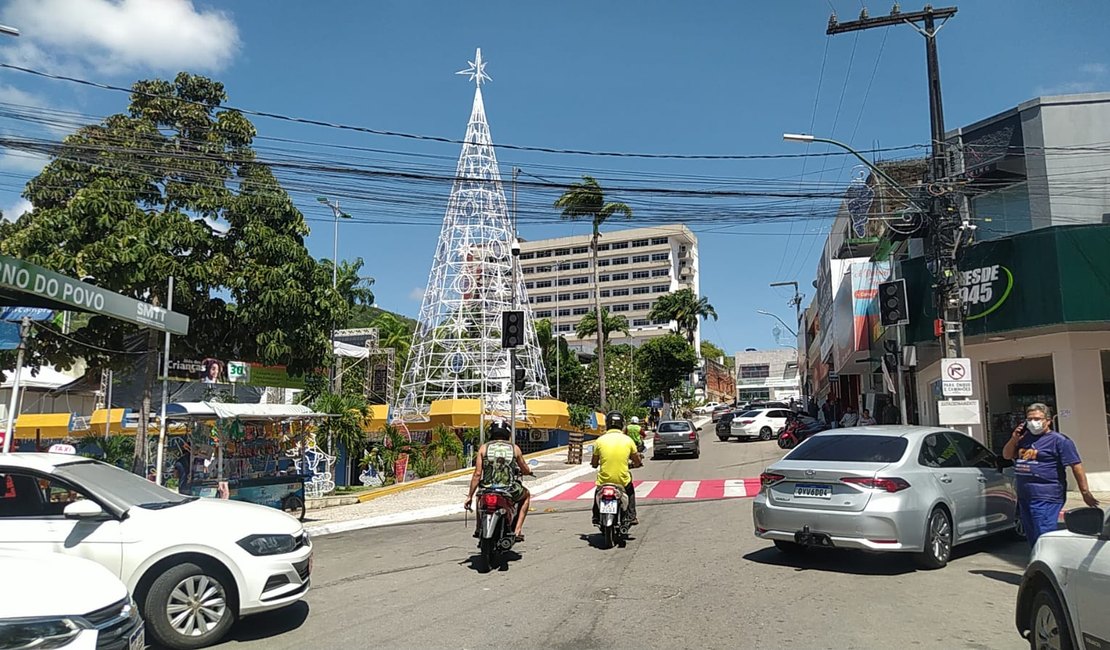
{"points": [[193, 565], [1062, 600], [760, 423]]}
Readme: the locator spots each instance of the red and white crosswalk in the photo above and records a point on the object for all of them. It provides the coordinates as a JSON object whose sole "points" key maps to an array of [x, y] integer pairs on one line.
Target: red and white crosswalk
{"points": [[722, 488]]}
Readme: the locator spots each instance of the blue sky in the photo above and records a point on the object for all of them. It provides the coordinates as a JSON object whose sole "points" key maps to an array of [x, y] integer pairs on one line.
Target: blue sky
{"points": [[647, 76]]}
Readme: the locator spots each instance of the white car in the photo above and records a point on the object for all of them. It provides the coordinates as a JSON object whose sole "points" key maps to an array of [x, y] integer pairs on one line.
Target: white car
{"points": [[1063, 595], [760, 423], [707, 407], [55, 601], [193, 565]]}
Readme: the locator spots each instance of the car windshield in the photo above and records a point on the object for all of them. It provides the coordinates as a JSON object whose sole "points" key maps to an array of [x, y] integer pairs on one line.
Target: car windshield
{"points": [[750, 414], [672, 427], [120, 488], [832, 447]]}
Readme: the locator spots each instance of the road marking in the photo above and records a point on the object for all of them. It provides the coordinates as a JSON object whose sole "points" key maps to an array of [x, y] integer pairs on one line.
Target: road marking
{"points": [[554, 492], [644, 487], [664, 490], [688, 490], [737, 487]]}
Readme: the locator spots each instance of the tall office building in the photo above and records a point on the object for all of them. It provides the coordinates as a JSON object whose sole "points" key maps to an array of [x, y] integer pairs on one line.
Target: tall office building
{"points": [[635, 267]]}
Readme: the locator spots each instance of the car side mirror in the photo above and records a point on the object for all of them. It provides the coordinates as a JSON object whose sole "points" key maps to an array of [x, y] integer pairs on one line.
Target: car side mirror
{"points": [[83, 509], [1085, 521], [1003, 463]]}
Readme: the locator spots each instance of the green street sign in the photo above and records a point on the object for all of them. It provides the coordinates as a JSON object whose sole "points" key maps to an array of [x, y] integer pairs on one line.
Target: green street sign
{"points": [[45, 286]]}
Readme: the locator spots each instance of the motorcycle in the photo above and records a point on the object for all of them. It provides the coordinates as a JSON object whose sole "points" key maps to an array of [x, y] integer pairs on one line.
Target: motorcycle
{"points": [[496, 522], [612, 507], [798, 429]]}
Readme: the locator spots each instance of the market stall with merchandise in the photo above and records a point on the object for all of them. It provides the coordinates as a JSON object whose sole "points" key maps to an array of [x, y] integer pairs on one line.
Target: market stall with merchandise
{"points": [[258, 453]]}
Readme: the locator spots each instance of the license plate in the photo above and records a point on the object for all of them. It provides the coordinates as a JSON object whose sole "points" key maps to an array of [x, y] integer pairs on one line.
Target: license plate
{"points": [[813, 491], [608, 507], [674, 446], [137, 640]]}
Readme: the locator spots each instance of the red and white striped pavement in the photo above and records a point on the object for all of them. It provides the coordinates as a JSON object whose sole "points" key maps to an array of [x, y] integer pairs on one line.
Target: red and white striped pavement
{"points": [[720, 488]]}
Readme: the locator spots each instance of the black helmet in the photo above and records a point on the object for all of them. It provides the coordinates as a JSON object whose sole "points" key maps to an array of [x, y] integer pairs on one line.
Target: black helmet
{"points": [[614, 420], [498, 430]]}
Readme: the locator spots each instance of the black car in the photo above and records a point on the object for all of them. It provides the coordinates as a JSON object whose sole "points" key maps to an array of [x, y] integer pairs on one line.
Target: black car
{"points": [[724, 423]]}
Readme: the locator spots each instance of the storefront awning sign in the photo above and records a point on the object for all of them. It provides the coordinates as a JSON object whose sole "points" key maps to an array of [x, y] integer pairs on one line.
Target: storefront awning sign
{"points": [[25, 283]]}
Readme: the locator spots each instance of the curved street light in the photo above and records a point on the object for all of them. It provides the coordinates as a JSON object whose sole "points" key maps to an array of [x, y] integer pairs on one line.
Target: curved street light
{"points": [[788, 328]]}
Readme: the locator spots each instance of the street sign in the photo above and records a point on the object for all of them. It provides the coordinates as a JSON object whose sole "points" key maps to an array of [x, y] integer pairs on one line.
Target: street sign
{"points": [[834, 376], [964, 411], [239, 372], [955, 375]]}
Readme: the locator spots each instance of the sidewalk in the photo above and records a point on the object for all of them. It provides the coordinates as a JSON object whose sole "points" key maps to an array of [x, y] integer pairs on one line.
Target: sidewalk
{"points": [[445, 497]]}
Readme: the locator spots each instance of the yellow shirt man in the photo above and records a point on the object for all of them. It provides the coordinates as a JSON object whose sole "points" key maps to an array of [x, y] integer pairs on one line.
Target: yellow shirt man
{"points": [[612, 451]]}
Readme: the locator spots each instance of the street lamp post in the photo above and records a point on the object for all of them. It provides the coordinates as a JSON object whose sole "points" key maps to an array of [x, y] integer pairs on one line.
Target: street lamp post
{"points": [[339, 214]]}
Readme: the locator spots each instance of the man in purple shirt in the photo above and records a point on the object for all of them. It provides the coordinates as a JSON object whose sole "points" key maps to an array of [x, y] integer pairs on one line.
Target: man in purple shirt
{"points": [[1040, 456]]}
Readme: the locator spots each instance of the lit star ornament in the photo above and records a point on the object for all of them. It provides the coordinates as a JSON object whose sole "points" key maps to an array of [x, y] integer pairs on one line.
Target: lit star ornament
{"points": [[477, 69]]}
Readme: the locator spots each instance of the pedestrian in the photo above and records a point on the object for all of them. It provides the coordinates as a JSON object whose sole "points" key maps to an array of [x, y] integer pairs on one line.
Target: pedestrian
{"points": [[850, 417], [1040, 455], [866, 419], [892, 414], [828, 409]]}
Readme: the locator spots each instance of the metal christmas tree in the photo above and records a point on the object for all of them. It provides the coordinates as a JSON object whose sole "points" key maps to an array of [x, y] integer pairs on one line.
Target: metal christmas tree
{"points": [[456, 349]]}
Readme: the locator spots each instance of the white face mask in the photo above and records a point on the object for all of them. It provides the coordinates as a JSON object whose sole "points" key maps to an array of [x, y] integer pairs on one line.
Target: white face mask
{"points": [[1036, 427]]}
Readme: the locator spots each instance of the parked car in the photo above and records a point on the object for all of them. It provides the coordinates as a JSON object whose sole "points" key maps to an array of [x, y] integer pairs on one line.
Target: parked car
{"points": [[57, 601], [725, 423], [718, 412], [676, 437], [193, 565], [759, 423], [707, 407], [1062, 599], [911, 489]]}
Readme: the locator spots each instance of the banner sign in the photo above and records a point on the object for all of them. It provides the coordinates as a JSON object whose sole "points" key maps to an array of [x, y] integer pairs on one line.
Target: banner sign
{"points": [[26, 278], [32, 313], [215, 371], [9, 336], [865, 310]]}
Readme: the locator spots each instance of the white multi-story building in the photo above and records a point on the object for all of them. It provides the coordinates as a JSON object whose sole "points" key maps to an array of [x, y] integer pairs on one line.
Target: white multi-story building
{"points": [[767, 375], [635, 267]]}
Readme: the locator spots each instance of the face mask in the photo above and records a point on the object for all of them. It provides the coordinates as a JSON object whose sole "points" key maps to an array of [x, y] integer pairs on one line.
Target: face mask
{"points": [[1036, 427]]}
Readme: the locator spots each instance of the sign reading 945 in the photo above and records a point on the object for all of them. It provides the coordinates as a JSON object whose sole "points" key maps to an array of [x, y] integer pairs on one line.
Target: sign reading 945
{"points": [[984, 289]]}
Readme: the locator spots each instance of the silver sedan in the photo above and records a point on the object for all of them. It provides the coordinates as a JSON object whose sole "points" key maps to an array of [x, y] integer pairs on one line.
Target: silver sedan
{"points": [[676, 437], [886, 488]]}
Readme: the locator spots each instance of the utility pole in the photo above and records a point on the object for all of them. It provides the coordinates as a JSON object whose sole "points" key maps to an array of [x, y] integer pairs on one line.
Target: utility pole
{"points": [[801, 334], [512, 351], [945, 226]]}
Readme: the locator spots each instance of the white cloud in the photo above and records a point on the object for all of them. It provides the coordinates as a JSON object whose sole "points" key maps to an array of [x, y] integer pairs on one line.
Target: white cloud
{"points": [[1092, 77], [417, 294], [1097, 69], [22, 161], [120, 35], [13, 212]]}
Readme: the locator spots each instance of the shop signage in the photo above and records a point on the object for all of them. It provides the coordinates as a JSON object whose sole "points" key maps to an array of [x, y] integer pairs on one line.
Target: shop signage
{"points": [[963, 411], [984, 289], [212, 371], [956, 377], [29, 279], [239, 372]]}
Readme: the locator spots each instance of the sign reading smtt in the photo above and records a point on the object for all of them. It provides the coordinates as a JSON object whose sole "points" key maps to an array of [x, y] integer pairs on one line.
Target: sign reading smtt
{"points": [[28, 278]]}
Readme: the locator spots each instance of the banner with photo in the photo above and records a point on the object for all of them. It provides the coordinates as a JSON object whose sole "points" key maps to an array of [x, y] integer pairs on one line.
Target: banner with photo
{"points": [[211, 370]]}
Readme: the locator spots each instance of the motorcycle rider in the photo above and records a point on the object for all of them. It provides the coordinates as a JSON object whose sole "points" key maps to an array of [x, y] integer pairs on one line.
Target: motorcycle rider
{"points": [[634, 431], [500, 463], [614, 453]]}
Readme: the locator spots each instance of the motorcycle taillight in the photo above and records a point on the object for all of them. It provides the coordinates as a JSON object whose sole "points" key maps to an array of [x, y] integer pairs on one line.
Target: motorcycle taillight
{"points": [[608, 493], [489, 500]]}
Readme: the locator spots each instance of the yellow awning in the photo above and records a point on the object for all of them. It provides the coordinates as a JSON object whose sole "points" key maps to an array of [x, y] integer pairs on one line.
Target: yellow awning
{"points": [[455, 413], [45, 425], [547, 414], [376, 418], [105, 421]]}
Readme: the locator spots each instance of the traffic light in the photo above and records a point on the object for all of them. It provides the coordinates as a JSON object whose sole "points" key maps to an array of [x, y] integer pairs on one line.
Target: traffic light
{"points": [[518, 375], [512, 329], [893, 309]]}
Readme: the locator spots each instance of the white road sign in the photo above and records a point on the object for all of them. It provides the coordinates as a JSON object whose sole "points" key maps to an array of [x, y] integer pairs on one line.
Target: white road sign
{"points": [[962, 411], [955, 375]]}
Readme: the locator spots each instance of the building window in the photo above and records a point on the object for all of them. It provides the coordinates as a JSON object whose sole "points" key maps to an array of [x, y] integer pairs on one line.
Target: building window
{"points": [[659, 273], [563, 282], [620, 245], [528, 256], [543, 284], [660, 288], [661, 321], [759, 371], [658, 241], [578, 311], [640, 243], [562, 251], [527, 270], [603, 247], [617, 261], [581, 295], [603, 262], [640, 259], [565, 328], [641, 322], [639, 291], [529, 285], [620, 292], [619, 276], [563, 297], [581, 264], [564, 266], [604, 293], [582, 279], [564, 312], [755, 394], [543, 253], [578, 250], [603, 278], [546, 298], [620, 307], [640, 275], [641, 306], [546, 313], [660, 257]]}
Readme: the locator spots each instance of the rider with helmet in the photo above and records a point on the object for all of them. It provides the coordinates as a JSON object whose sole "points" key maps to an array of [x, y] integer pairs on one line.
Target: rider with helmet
{"points": [[614, 454], [634, 431], [500, 463]]}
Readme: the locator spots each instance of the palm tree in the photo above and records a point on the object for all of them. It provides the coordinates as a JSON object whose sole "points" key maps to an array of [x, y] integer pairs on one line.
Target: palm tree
{"points": [[609, 323], [586, 200], [345, 427], [394, 333], [685, 308]]}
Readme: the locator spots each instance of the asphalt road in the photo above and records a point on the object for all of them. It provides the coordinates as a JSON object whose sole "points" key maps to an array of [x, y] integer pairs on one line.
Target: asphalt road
{"points": [[693, 576]]}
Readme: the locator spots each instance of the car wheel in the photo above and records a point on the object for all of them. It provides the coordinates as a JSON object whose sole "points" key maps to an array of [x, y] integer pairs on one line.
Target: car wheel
{"points": [[294, 505], [1018, 531], [655, 456], [697, 452], [1048, 629], [189, 607], [790, 548], [938, 541], [765, 433], [722, 437]]}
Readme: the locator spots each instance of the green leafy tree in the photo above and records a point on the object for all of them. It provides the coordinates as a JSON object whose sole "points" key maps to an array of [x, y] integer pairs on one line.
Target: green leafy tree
{"points": [[564, 370], [609, 323], [710, 350], [172, 188], [664, 363], [685, 308], [344, 429], [586, 200], [395, 333], [444, 444]]}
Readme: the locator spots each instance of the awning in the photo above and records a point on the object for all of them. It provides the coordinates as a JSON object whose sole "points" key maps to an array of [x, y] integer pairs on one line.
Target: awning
{"points": [[351, 351], [548, 414], [376, 418], [214, 410], [46, 425], [455, 413], [46, 377], [113, 421]]}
